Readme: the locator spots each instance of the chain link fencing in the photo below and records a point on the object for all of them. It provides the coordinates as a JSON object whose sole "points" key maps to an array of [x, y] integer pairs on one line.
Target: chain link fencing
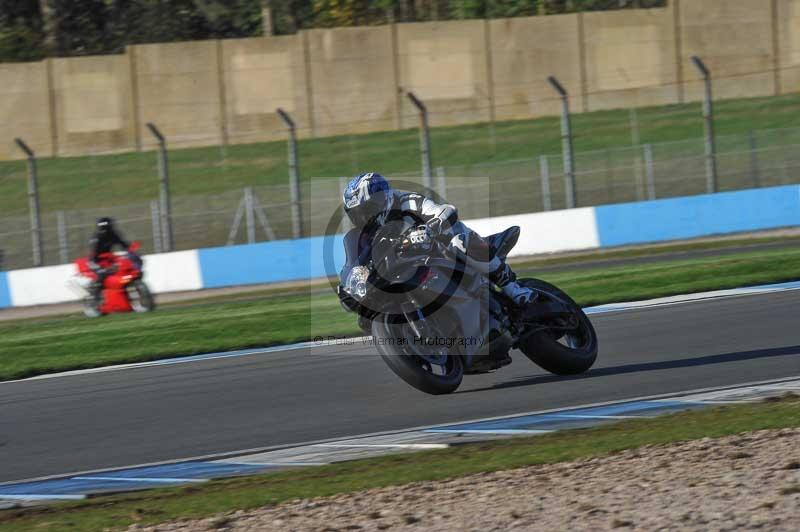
{"points": [[245, 214]]}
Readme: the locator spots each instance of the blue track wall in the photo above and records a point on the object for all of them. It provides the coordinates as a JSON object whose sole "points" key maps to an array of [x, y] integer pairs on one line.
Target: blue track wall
{"points": [[694, 216], [269, 262], [317, 257], [5, 293]]}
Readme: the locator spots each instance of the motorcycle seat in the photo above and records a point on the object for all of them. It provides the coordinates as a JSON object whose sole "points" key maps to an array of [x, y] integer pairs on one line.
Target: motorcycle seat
{"points": [[502, 243]]}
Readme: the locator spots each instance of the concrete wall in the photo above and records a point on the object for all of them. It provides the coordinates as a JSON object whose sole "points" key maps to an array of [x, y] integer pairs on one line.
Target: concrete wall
{"points": [[178, 87], [25, 109], [445, 65], [352, 79], [788, 38], [259, 76], [345, 80], [524, 52], [93, 104], [735, 40], [630, 58]]}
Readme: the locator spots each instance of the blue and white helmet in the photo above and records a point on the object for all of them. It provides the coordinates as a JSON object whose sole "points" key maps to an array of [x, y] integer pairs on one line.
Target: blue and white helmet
{"points": [[367, 198]]}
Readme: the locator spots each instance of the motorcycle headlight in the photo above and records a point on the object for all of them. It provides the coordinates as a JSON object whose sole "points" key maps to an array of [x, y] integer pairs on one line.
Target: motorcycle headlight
{"points": [[356, 284]]}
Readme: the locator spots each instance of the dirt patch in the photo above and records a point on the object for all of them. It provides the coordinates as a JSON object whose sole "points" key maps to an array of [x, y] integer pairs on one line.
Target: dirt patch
{"points": [[748, 481]]}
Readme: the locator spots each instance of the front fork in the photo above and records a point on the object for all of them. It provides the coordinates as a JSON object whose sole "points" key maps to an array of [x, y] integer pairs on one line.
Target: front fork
{"points": [[416, 320]]}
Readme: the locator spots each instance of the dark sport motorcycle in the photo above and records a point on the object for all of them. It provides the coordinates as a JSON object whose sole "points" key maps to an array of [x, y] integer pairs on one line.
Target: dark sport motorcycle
{"points": [[433, 319]]}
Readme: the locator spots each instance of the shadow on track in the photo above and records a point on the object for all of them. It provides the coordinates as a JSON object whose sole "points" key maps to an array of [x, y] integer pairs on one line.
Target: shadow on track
{"points": [[647, 366]]}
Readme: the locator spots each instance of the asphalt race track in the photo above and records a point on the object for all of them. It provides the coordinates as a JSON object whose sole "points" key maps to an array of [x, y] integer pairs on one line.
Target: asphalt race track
{"points": [[142, 415]]}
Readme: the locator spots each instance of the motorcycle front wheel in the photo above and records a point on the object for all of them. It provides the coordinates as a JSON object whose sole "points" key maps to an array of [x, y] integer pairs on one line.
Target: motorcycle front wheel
{"points": [[141, 298], [430, 369], [569, 350], [91, 307]]}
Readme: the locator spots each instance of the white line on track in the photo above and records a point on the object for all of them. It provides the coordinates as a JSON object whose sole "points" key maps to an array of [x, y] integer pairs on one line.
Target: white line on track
{"points": [[489, 431], [385, 445], [40, 497], [273, 463], [588, 416], [602, 309], [129, 479]]}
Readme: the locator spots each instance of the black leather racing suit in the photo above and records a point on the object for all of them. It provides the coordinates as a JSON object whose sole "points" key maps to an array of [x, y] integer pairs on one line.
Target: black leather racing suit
{"points": [[103, 241], [463, 241]]}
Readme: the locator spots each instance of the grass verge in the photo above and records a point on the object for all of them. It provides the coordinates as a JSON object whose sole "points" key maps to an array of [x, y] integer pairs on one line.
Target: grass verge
{"points": [[46, 345], [243, 493], [91, 181]]}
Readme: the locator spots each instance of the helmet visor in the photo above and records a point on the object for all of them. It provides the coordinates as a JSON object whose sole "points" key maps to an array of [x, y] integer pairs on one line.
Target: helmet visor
{"points": [[361, 215]]}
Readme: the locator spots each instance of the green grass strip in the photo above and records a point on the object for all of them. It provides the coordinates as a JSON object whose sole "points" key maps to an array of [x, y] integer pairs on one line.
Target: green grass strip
{"points": [[120, 179], [46, 345], [251, 492]]}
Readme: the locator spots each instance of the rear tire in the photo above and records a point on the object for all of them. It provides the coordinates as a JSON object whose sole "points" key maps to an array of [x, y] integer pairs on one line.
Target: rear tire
{"points": [[141, 298], [578, 352], [411, 367]]}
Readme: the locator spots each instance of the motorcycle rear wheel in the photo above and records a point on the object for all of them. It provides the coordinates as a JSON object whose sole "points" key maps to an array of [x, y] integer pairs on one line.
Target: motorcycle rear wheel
{"points": [[141, 298], [559, 352], [408, 360]]}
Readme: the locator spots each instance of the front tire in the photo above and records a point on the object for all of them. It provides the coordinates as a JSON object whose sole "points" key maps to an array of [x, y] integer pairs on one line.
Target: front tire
{"points": [[141, 298], [91, 307], [562, 353], [409, 361]]}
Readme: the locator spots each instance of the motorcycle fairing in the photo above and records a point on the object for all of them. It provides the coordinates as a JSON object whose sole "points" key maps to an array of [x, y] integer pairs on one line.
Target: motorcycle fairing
{"points": [[468, 301]]}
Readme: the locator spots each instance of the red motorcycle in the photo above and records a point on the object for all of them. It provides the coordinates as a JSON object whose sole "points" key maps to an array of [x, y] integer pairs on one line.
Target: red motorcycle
{"points": [[123, 289]]}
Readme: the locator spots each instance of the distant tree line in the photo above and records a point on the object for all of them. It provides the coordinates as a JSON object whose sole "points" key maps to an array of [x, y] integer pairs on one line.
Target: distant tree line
{"points": [[33, 29]]}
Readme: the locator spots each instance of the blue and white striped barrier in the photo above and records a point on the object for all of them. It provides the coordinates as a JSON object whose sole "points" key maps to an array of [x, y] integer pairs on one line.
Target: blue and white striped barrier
{"points": [[542, 232]]}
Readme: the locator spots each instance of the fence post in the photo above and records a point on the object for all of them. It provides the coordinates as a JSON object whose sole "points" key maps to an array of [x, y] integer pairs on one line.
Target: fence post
{"points": [[634, 123], [424, 140], [33, 203], [754, 165], [294, 175], [609, 177], [566, 144], [708, 115], [155, 218], [63, 246], [441, 182], [249, 211], [638, 176], [650, 171], [164, 197], [544, 175]]}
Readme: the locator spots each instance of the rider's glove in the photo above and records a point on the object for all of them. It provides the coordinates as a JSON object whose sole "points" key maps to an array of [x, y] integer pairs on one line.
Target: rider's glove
{"points": [[418, 240], [434, 227], [438, 228]]}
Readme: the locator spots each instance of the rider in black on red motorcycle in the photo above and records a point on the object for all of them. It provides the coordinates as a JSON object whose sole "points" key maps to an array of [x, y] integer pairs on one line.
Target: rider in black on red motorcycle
{"points": [[103, 241], [370, 202]]}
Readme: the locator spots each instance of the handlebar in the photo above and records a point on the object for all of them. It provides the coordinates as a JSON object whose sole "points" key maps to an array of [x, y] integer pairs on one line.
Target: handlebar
{"points": [[418, 238]]}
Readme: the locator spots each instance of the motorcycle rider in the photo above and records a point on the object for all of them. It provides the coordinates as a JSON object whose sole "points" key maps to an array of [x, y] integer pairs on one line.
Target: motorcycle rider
{"points": [[103, 241], [370, 202]]}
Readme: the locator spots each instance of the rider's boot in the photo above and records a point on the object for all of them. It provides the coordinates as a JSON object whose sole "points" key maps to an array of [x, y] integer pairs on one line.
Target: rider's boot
{"points": [[96, 287], [96, 291], [505, 278]]}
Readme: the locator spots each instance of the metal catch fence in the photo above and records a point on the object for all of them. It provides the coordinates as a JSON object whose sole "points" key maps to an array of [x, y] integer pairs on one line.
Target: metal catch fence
{"points": [[254, 214]]}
